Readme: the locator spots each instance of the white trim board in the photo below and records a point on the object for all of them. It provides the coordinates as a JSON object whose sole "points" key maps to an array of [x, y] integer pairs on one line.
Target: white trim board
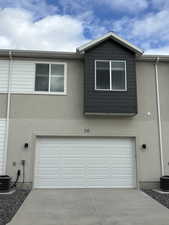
{"points": [[2, 146], [110, 71], [65, 79], [80, 162]]}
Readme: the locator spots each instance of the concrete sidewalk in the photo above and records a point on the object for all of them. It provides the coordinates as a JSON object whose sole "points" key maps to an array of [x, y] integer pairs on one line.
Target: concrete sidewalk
{"points": [[90, 207]]}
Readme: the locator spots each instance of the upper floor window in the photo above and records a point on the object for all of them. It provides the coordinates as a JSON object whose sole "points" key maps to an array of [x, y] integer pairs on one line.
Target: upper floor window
{"points": [[50, 77], [110, 75]]}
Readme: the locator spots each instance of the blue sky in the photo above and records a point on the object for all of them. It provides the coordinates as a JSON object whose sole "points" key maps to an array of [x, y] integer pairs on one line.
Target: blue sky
{"points": [[63, 25]]}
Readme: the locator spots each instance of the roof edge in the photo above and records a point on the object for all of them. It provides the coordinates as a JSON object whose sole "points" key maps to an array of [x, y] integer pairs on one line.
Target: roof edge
{"points": [[39, 54], [153, 58], [115, 37], [68, 55]]}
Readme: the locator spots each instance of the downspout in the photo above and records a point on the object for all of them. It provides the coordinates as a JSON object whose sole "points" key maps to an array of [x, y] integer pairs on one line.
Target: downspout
{"points": [[159, 116], [8, 107]]}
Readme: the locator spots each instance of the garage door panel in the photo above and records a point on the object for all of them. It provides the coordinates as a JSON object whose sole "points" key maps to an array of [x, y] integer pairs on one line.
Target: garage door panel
{"points": [[97, 172], [115, 183], [77, 182], [73, 160], [84, 162], [62, 183], [97, 161], [73, 171], [122, 171]]}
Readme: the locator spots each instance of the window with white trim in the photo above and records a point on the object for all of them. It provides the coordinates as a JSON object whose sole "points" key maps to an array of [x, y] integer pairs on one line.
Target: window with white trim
{"points": [[50, 77], [110, 75]]}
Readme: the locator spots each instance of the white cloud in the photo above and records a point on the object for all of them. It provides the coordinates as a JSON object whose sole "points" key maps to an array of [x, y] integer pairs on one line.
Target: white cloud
{"points": [[151, 26], [60, 33], [159, 4], [155, 23], [148, 31], [40, 26], [38, 8], [158, 51]]}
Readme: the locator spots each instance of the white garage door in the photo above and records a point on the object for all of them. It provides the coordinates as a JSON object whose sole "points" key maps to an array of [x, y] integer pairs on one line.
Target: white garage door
{"points": [[84, 163]]}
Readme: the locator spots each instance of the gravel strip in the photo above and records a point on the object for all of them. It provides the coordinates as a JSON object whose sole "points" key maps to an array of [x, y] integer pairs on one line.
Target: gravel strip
{"points": [[161, 198], [9, 204]]}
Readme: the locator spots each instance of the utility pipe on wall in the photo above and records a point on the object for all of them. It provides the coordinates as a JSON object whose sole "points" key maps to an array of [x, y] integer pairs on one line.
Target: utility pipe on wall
{"points": [[8, 107], [159, 116]]}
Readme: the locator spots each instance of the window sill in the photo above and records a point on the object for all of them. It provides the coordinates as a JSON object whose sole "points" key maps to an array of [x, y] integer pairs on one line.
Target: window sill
{"points": [[113, 90], [35, 93], [49, 93]]}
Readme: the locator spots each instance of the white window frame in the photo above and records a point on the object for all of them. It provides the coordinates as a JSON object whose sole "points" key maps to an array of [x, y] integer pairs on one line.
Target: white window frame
{"points": [[65, 79], [110, 66]]}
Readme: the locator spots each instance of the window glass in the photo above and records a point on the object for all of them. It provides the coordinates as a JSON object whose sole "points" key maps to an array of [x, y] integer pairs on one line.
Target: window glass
{"points": [[57, 69], [52, 74], [57, 84], [102, 75], [110, 80], [42, 77], [57, 78], [118, 75], [118, 65]]}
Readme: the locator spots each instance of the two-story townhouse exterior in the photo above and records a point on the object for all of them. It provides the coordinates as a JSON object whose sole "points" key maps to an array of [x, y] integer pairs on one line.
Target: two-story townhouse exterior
{"points": [[97, 117]]}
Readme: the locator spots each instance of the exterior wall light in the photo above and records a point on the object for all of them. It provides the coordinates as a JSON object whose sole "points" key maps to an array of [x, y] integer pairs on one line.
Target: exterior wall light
{"points": [[26, 145], [144, 146]]}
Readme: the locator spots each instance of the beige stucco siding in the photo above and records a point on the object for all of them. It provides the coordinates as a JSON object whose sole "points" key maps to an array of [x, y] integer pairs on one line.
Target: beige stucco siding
{"points": [[53, 106], [32, 115], [148, 127]]}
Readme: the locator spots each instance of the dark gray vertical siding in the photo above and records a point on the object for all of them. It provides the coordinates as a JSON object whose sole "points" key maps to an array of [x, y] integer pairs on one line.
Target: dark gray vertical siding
{"points": [[106, 101]]}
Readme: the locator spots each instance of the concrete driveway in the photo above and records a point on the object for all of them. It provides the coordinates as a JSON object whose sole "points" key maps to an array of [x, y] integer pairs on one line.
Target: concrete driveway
{"points": [[90, 207]]}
